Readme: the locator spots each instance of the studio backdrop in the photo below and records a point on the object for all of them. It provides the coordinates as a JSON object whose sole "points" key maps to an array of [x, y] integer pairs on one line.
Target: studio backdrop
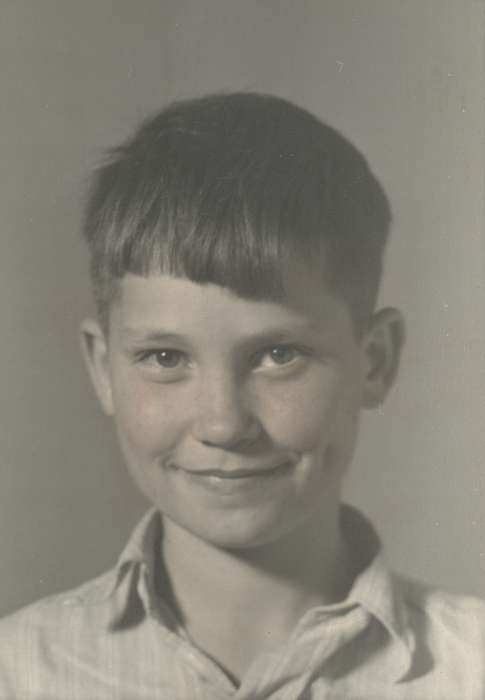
{"points": [[404, 81]]}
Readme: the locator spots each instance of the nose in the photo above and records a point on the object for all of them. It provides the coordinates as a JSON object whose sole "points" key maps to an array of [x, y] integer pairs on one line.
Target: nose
{"points": [[223, 417]]}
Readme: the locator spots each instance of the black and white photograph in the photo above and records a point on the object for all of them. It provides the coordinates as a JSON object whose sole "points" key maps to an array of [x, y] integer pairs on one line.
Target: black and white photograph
{"points": [[242, 366]]}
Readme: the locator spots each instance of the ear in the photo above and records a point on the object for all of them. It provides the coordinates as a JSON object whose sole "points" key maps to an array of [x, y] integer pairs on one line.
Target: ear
{"points": [[382, 343], [95, 351]]}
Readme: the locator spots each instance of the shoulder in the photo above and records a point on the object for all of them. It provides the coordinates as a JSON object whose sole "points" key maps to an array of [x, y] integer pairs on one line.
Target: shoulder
{"points": [[447, 626], [49, 611], [29, 636], [451, 610]]}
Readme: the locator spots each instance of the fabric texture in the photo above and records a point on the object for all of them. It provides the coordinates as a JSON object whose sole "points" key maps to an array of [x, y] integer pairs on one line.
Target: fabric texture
{"points": [[116, 638]]}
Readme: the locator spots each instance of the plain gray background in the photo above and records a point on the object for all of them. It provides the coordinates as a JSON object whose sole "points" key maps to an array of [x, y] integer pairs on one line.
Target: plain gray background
{"points": [[403, 80]]}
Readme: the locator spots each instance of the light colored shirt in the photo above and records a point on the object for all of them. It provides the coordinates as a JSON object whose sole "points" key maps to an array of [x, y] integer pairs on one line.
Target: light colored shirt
{"points": [[114, 637]]}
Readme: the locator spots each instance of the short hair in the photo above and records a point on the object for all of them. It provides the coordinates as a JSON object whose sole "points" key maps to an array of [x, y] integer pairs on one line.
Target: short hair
{"points": [[224, 188]]}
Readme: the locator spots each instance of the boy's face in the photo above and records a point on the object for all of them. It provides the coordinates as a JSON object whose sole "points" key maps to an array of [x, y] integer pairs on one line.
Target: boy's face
{"points": [[237, 418]]}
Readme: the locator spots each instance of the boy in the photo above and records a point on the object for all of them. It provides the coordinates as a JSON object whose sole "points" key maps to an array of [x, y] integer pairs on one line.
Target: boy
{"points": [[236, 246]]}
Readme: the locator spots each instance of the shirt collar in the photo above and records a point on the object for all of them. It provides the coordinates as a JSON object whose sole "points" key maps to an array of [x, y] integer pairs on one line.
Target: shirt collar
{"points": [[143, 545], [136, 561], [375, 588]]}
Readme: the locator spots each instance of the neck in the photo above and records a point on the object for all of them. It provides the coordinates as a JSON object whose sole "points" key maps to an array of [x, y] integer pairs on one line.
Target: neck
{"points": [[262, 591]]}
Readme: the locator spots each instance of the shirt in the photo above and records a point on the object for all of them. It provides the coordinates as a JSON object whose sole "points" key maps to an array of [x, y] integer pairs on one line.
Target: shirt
{"points": [[115, 638]]}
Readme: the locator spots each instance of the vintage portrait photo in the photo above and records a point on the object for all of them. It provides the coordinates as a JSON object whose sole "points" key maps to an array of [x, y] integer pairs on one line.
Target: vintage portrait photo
{"points": [[243, 350]]}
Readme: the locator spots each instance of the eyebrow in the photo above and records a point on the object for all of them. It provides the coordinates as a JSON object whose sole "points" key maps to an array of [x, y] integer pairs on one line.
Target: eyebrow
{"points": [[270, 335], [147, 335]]}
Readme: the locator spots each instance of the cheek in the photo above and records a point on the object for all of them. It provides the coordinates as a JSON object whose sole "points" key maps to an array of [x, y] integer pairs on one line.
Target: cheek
{"points": [[148, 418], [307, 415]]}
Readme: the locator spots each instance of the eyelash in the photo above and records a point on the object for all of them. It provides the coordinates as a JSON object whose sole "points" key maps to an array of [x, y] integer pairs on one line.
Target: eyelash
{"points": [[295, 351], [256, 361], [152, 354]]}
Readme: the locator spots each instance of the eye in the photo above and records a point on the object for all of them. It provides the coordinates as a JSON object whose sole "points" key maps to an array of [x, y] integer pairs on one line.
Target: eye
{"points": [[279, 355], [168, 359], [165, 358]]}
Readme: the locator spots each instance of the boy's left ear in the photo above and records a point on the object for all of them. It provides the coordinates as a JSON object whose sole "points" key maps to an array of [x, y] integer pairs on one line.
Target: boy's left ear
{"points": [[382, 344]]}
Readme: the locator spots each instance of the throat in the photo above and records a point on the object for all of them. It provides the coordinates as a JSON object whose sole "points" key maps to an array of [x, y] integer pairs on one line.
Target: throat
{"points": [[236, 606]]}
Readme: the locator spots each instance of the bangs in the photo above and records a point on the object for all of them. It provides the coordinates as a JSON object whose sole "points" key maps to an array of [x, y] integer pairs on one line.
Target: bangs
{"points": [[238, 229]]}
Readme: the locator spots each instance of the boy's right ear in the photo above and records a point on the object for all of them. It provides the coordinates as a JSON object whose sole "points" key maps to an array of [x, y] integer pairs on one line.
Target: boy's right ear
{"points": [[95, 351]]}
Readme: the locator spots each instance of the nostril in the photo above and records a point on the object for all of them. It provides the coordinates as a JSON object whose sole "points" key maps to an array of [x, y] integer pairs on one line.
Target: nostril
{"points": [[229, 431], [223, 415]]}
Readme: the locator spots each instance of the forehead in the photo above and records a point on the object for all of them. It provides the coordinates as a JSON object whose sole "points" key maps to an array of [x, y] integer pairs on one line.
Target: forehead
{"points": [[160, 302]]}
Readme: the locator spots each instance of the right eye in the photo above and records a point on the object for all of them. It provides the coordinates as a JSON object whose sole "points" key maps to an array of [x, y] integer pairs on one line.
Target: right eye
{"points": [[165, 361], [167, 358]]}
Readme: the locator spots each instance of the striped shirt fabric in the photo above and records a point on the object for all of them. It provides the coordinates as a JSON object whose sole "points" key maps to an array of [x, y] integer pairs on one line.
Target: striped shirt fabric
{"points": [[115, 638]]}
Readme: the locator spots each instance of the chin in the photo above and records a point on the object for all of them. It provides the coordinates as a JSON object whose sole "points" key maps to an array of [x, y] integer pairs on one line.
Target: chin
{"points": [[238, 531]]}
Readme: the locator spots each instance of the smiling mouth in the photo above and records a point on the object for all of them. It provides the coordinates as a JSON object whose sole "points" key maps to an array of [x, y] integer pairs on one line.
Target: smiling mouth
{"points": [[235, 474]]}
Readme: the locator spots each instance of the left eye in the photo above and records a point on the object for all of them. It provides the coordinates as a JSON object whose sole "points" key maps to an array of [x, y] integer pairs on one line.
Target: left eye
{"points": [[279, 355], [167, 358]]}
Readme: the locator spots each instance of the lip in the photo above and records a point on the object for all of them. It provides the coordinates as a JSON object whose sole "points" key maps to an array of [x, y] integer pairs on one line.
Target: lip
{"points": [[237, 473], [236, 481]]}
